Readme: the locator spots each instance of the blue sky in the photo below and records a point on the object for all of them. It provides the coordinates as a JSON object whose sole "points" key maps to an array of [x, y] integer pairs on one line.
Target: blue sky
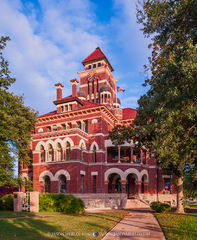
{"points": [[50, 38]]}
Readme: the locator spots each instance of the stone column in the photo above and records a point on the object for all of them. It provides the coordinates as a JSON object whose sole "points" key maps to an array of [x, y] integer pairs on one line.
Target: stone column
{"points": [[138, 187], [145, 187], [18, 201], [123, 186], [118, 154], [34, 201], [106, 182], [131, 156], [105, 154]]}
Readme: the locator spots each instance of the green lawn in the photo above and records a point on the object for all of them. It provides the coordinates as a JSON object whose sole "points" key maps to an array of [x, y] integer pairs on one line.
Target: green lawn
{"points": [[28, 226], [178, 226]]}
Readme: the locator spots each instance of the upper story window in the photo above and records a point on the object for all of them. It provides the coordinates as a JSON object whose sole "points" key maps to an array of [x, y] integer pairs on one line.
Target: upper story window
{"points": [[63, 126], [69, 125], [94, 153], [86, 126], [99, 64], [54, 127], [42, 154], [66, 108], [70, 107], [89, 67], [97, 100], [68, 151], [93, 87], [51, 153], [59, 152], [49, 129], [94, 65], [62, 108], [88, 88], [97, 86], [79, 125]]}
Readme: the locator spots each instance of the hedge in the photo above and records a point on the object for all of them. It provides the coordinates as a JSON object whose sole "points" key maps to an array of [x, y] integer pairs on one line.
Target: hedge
{"points": [[6, 202], [50, 202], [160, 207]]}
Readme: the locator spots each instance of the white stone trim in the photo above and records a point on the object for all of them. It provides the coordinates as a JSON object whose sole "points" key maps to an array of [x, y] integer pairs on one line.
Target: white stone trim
{"points": [[82, 142], [61, 172], [92, 145], [82, 172], [94, 173], [37, 148], [46, 173], [114, 170], [132, 171], [50, 142], [67, 139], [142, 173]]}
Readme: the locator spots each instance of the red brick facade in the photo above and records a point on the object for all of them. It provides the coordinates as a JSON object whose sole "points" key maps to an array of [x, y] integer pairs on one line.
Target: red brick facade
{"points": [[71, 148]]}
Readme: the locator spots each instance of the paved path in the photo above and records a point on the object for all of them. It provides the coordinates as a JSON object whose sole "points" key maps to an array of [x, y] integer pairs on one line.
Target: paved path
{"points": [[138, 225]]}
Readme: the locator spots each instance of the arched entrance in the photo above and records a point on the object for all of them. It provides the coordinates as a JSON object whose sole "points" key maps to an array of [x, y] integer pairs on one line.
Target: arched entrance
{"points": [[114, 185], [131, 185], [47, 184], [62, 184]]}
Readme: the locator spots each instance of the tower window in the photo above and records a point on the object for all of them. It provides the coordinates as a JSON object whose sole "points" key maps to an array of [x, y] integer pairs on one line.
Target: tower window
{"points": [[88, 88], [89, 67], [97, 88], [86, 126], [94, 65], [99, 64], [93, 87]]}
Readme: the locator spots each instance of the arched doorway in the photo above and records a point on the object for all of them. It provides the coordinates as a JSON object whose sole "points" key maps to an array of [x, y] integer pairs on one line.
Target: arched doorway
{"points": [[144, 179], [114, 185], [131, 185], [47, 184], [62, 184]]}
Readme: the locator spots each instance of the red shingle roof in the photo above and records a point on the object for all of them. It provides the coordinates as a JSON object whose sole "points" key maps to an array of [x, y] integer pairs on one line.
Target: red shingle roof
{"points": [[128, 113], [97, 54], [48, 114], [88, 104]]}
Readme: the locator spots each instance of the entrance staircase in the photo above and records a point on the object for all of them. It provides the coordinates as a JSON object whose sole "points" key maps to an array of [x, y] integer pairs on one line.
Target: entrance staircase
{"points": [[137, 204]]}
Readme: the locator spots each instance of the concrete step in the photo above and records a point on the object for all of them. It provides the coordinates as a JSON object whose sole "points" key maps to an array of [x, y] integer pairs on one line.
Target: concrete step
{"points": [[136, 204]]}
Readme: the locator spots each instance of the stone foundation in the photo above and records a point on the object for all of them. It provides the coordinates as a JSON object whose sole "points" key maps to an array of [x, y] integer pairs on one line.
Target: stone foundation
{"points": [[107, 201], [164, 198]]}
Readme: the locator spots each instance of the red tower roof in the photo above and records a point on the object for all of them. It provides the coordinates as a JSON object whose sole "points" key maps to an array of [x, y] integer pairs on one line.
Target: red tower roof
{"points": [[96, 55]]}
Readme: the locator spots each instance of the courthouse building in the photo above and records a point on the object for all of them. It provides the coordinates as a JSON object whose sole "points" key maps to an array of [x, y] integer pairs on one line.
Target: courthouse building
{"points": [[71, 148]]}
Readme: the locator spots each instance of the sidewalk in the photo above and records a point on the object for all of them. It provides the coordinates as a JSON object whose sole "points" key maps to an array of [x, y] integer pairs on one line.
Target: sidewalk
{"points": [[140, 224]]}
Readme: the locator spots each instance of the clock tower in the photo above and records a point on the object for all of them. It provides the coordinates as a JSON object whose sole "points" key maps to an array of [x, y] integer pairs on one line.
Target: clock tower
{"points": [[97, 84]]}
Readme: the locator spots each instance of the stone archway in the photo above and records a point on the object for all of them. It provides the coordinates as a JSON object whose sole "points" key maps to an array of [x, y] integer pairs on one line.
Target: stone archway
{"points": [[131, 185], [114, 183]]}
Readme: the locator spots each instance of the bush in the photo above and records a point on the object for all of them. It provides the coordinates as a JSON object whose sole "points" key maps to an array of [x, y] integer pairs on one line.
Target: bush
{"points": [[6, 202], [51, 202], [160, 207]]}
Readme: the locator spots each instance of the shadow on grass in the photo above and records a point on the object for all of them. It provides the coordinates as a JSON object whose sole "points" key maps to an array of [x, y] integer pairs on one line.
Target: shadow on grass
{"points": [[27, 229]]}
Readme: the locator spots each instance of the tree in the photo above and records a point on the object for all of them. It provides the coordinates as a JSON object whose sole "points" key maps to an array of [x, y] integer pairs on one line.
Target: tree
{"points": [[16, 123], [167, 113]]}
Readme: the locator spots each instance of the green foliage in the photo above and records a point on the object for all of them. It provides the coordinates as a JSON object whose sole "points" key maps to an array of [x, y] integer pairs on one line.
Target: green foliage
{"points": [[119, 135], [51, 202], [6, 202], [160, 207], [16, 123]]}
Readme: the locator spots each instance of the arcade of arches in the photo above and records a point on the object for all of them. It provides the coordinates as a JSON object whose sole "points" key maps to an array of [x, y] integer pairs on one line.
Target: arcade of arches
{"points": [[130, 186]]}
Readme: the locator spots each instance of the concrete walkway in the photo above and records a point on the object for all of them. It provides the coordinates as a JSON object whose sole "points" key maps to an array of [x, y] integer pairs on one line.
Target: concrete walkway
{"points": [[140, 224]]}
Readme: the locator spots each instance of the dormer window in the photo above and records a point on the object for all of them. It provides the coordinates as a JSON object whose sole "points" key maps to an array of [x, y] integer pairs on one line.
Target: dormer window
{"points": [[89, 67], [63, 126], [70, 107], [66, 108], [99, 64], [69, 125], [62, 108], [94, 65]]}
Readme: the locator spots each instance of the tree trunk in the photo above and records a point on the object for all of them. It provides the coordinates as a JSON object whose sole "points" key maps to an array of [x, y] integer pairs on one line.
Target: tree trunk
{"points": [[180, 208]]}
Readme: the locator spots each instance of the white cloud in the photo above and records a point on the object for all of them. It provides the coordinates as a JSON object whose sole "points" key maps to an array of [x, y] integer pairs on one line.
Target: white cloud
{"points": [[49, 51]]}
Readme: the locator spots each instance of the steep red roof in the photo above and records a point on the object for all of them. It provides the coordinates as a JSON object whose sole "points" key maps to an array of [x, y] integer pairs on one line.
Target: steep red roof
{"points": [[128, 113], [88, 104], [48, 114], [97, 54]]}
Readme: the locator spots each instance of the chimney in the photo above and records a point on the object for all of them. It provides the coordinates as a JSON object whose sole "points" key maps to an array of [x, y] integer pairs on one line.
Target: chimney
{"points": [[59, 87], [74, 87]]}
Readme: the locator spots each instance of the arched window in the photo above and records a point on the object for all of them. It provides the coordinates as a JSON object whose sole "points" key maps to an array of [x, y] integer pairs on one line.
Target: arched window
{"points": [[42, 154], [82, 148], [68, 151], [51, 153], [94, 153], [47, 184], [59, 152], [62, 184]]}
